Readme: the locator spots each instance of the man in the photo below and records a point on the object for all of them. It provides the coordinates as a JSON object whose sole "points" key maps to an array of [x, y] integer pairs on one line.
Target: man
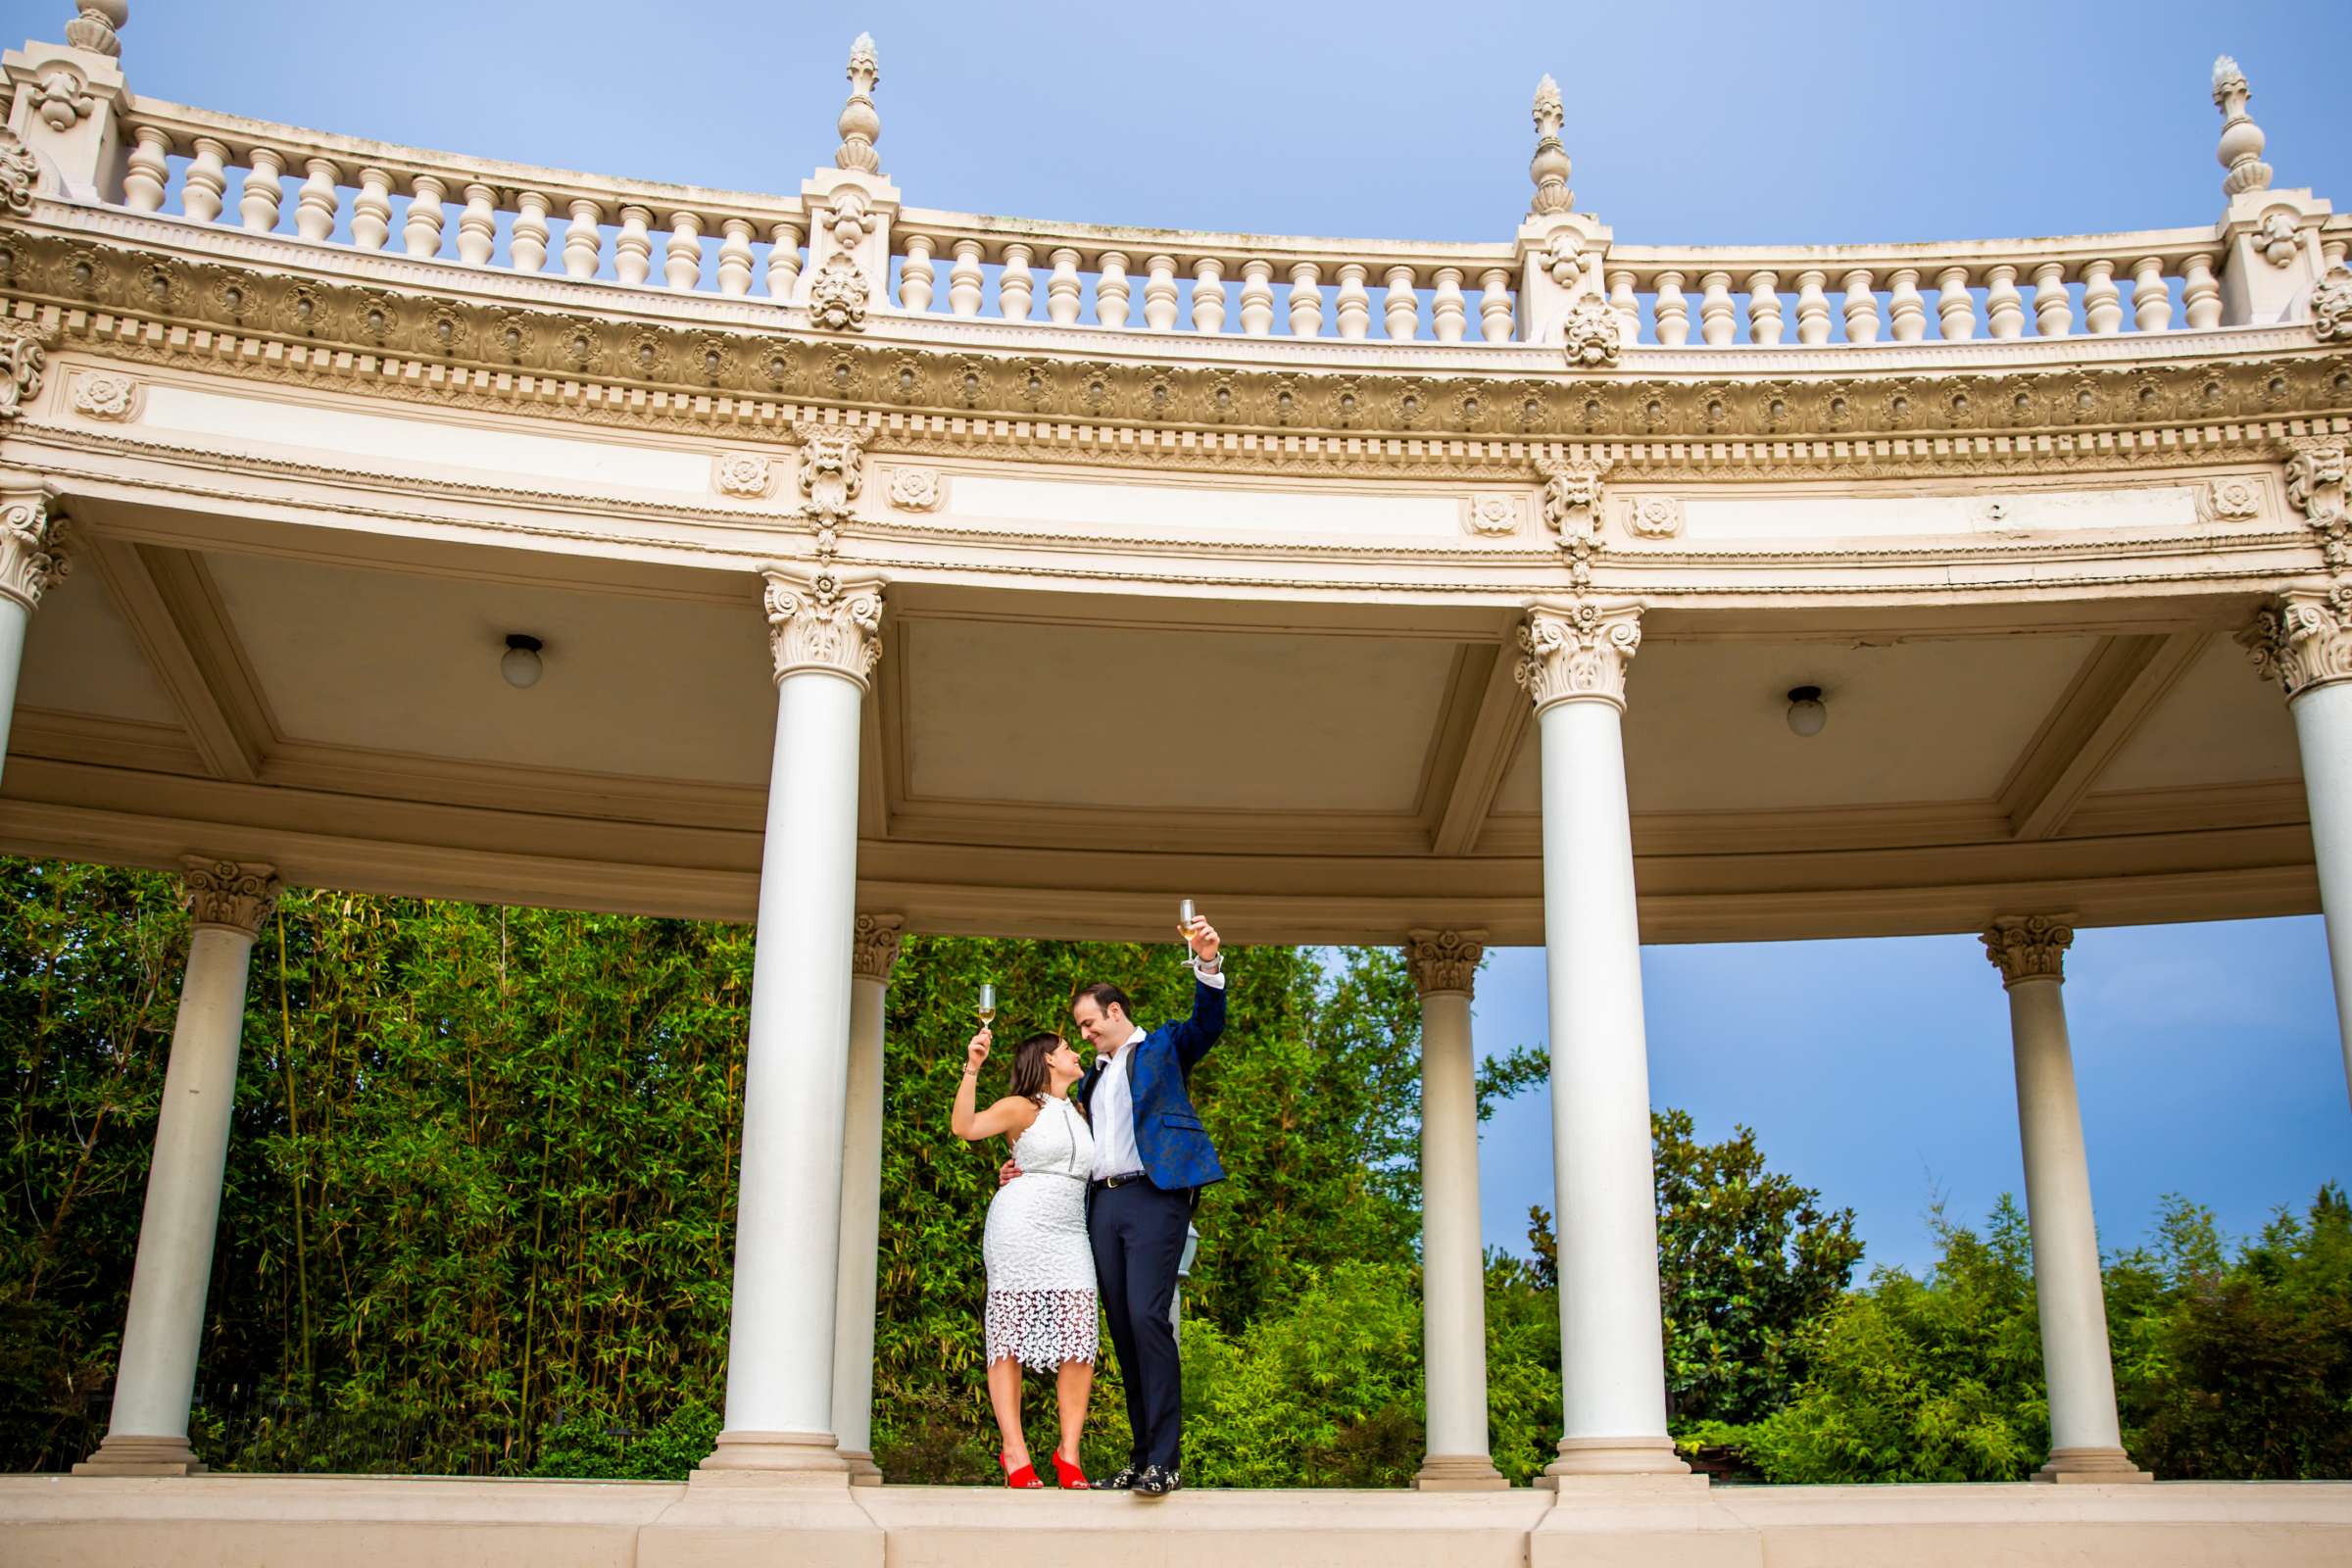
{"points": [[1151, 1158]]}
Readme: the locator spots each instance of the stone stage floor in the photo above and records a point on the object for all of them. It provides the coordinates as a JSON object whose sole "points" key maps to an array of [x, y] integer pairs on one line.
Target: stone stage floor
{"points": [[267, 1521]]}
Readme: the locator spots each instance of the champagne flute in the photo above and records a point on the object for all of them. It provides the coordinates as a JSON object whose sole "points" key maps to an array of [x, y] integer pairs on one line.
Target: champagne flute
{"points": [[987, 1010], [1184, 922]]}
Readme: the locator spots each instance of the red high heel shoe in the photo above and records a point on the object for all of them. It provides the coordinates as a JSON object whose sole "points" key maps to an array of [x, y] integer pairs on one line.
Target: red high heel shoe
{"points": [[1022, 1480], [1072, 1477]]}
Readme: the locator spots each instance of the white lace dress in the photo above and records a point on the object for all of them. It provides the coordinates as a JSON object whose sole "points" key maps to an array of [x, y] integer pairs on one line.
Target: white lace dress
{"points": [[1040, 1267]]}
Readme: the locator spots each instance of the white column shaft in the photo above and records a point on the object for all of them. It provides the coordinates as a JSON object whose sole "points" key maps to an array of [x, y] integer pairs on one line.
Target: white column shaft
{"points": [[1612, 1349], [788, 1219], [15, 618], [155, 1378], [2323, 716], [1454, 1299], [2065, 1243], [860, 1223]]}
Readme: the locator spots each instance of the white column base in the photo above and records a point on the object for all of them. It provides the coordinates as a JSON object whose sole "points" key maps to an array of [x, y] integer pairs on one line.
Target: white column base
{"points": [[2091, 1466], [119, 1454], [864, 1472], [774, 1459], [1458, 1472], [1581, 1457]]}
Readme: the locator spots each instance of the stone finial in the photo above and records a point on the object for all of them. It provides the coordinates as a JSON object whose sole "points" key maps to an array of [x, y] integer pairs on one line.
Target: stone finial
{"points": [[95, 25], [874, 946], [859, 125], [1550, 166], [233, 895], [1444, 960], [2241, 143], [31, 557], [823, 621], [1577, 652], [2029, 947]]}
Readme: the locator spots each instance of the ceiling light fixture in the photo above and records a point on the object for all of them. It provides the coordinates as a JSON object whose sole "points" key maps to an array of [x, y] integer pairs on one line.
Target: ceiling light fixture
{"points": [[1806, 714], [519, 663]]}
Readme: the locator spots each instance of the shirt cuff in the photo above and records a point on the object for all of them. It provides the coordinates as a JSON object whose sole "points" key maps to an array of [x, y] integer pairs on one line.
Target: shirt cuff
{"points": [[1214, 980]]}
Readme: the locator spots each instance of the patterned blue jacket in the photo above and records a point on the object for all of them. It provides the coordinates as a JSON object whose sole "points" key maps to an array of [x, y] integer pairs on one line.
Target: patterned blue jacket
{"points": [[1168, 1135]]}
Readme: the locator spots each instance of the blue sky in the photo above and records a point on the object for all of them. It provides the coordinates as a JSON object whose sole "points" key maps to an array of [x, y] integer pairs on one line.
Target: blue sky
{"points": [[1877, 1070]]}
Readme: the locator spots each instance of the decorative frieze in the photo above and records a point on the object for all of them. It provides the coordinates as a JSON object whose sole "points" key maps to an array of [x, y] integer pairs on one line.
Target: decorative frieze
{"points": [[1444, 960], [745, 474], [874, 946], [2029, 947], [2315, 487], [32, 559], [1572, 511], [1577, 652], [832, 473], [918, 489], [233, 895], [106, 395], [2303, 638], [823, 621], [21, 360]]}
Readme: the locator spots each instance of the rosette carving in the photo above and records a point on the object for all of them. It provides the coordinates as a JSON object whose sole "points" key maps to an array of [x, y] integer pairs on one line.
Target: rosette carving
{"points": [[235, 894], [1444, 960], [2303, 638], [31, 555], [740, 474], [1577, 652], [2029, 947], [823, 623], [874, 946]]}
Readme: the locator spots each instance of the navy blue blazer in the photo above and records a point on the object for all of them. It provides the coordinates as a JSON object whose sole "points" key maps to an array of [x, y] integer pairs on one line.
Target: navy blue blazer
{"points": [[1168, 1135]]}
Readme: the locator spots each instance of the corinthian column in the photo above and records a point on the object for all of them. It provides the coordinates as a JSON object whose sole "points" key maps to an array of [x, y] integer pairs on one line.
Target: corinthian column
{"points": [[31, 563], [824, 631], [1612, 1345], [2304, 642], [2085, 1442], [1454, 1284], [875, 950], [155, 1375]]}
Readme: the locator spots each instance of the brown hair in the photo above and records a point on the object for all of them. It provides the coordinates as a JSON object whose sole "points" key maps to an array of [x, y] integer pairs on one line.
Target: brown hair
{"points": [[1105, 997], [1030, 1075]]}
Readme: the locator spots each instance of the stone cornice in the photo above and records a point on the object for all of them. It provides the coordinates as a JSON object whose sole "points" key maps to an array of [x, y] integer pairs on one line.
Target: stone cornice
{"points": [[825, 621], [1444, 961], [231, 895], [874, 946], [2029, 947]]}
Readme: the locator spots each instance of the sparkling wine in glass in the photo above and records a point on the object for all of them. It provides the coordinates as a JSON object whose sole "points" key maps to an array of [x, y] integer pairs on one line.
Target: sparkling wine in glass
{"points": [[1184, 922], [987, 1010]]}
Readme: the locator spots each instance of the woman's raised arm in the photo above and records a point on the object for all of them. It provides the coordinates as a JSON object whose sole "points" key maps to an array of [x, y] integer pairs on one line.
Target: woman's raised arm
{"points": [[1011, 1115]]}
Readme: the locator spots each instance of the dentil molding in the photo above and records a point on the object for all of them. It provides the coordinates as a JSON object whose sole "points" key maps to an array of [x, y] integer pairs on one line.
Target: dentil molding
{"points": [[233, 895], [2029, 947]]}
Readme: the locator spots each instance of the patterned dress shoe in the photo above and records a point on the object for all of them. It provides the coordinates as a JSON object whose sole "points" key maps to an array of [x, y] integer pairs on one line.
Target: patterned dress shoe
{"points": [[1124, 1481], [1157, 1481]]}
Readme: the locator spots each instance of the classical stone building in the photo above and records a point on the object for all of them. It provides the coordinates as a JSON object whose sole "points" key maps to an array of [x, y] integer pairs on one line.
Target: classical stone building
{"points": [[428, 515]]}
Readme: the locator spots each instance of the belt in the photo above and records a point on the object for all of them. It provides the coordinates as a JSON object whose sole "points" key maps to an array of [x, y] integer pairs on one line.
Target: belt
{"points": [[1109, 1182]]}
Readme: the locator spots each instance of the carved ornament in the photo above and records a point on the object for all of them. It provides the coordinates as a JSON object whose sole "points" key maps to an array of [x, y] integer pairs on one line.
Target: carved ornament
{"points": [[1572, 511], [61, 97], [2315, 487], [32, 557], [2331, 305], [874, 946], [1593, 334], [1445, 961], [2029, 947], [2230, 498], [1577, 652], [741, 473], [832, 473], [19, 173], [233, 894], [2303, 638], [2277, 237], [1496, 516], [837, 295], [823, 623], [106, 394], [95, 23], [1654, 516], [22, 358], [918, 489]]}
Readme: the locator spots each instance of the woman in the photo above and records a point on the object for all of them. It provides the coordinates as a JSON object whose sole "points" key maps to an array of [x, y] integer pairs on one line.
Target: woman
{"points": [[1040, 1268]]}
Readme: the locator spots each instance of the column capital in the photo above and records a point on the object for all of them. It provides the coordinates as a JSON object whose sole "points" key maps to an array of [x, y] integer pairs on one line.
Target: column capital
{"points": [[2029, 947], [1443, 961], [874, 946], [1578, 651], [233, 894], [2303, 638], [823, 621], [32, 555]]}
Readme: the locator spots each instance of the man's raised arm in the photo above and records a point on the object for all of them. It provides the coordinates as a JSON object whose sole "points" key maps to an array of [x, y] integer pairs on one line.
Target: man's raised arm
{"points": [[1197, 1033]]}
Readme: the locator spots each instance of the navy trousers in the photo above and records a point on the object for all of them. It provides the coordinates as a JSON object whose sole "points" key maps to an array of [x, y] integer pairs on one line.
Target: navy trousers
{"points": [[1138, 1235]]}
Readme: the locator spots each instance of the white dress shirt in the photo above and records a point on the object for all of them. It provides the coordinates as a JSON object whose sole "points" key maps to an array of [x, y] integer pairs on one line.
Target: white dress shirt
{"points": [[1112, 1107]]}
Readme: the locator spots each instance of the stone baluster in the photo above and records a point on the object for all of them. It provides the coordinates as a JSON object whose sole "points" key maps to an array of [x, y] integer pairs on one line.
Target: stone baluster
{"points": [[1306, 300], [1812, 308], [420, 233], [2151, 299], [1626, 304], [527, 241], [963, 280], [1016, 284], [1672, 311], [316, 202], [371, 211], [1354, 302], [1861, 307], [1063, 287], [147, 171], [1160, 294], [918, 277], [1716, 313], [1955, 311], [2005, 307], [735, 256], [263, 191], [2200, 293], [783, 261], [1400, 307], [1494, 305], [477, 225], [633, 246], [1111, 289], [1208, 295], [1448, 311], [584, 239], [682, 256], [1906, 310], [207, 181], [1763, 309], [2053, 310], [1258, 298], [2102, 300]]}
